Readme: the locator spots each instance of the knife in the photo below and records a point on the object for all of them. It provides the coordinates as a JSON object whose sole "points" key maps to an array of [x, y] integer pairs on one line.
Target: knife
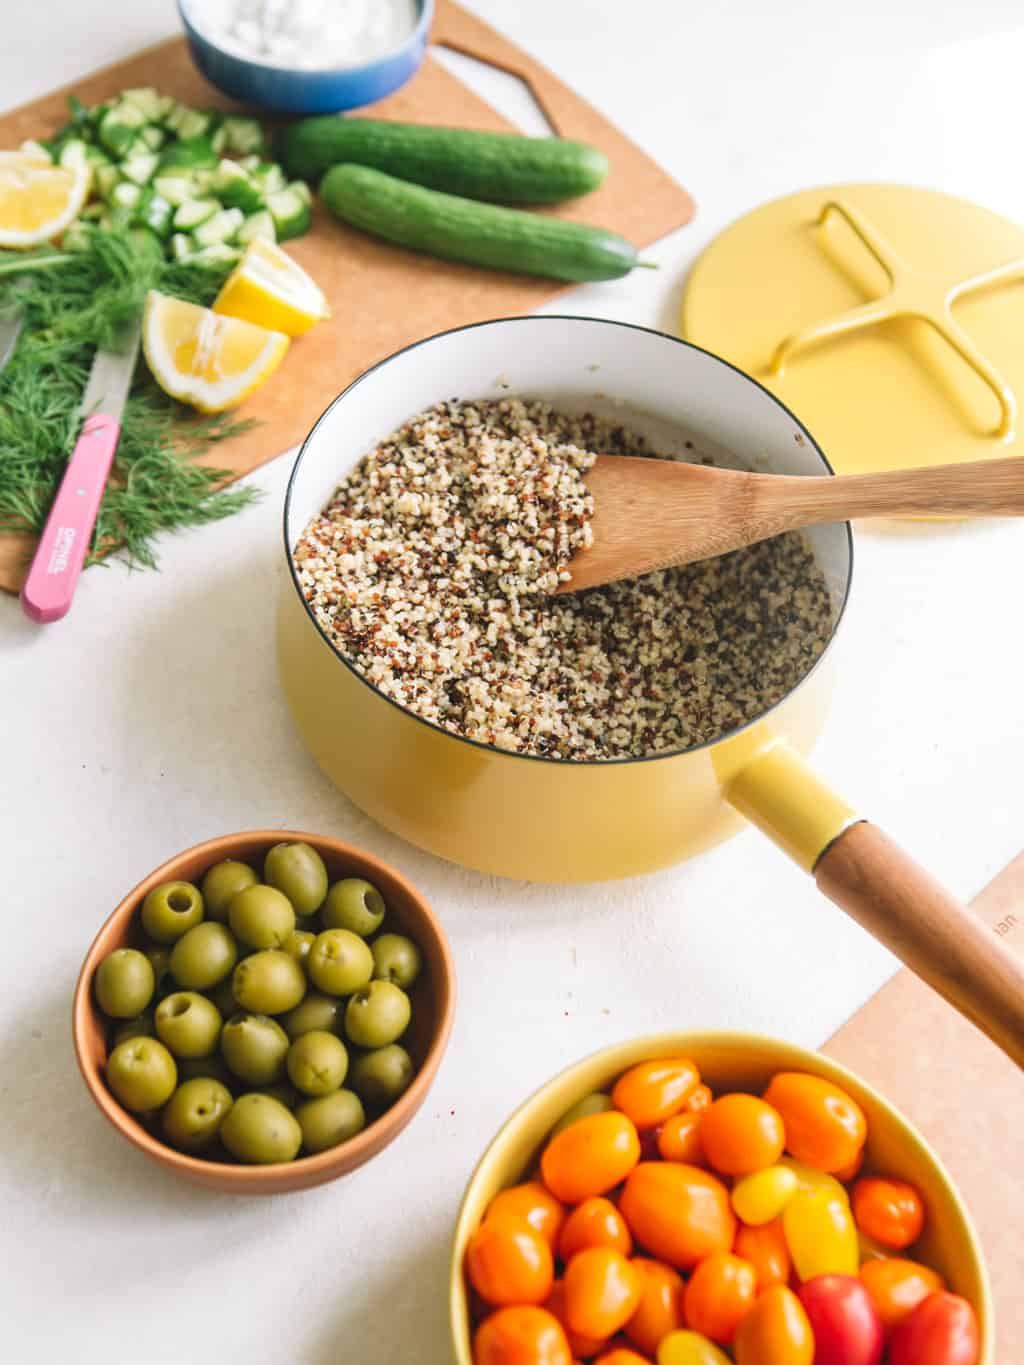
{"points": [[62, 548], [10, 330]]}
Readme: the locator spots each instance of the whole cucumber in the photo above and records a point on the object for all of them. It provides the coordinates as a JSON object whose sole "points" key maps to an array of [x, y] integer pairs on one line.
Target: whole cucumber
{"points": [[479, 234], [505, 168]]}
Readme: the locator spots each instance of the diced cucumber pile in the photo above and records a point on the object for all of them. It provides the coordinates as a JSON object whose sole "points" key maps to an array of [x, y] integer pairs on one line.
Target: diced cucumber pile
{"points": [[195, 178]]}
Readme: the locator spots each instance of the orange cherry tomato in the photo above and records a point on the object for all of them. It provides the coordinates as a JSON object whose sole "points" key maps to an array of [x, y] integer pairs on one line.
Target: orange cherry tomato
{"points": [[825, 1128], [602, 1291], [776, 1331], [766, 1250], [521, 1335], [679, 1139], [679, 1213], [888, 1211], [699, 1099], [897, 1286], [651, 1092], [741, 1134], [582, 1346], [852, 1168], [509, 1262], [590, 1157], [594, 1223], [534, 1203], [719, 1294], [622, 1355], [660, 1309]]}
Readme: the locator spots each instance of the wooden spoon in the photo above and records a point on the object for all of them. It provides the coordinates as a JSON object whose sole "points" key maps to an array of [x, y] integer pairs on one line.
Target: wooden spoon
{"points": [[652, 514]]}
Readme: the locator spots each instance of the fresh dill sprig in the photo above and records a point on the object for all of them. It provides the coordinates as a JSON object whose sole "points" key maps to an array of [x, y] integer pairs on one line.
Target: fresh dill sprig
{"points": [[73, 304]]}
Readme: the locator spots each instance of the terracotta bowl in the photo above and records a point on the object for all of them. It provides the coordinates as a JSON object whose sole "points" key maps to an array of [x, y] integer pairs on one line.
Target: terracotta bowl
{"points": [[433, 999], [734, 1061]]}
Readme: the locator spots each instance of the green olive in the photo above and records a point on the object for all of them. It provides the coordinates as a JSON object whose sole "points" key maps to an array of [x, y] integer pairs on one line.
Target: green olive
{"points": [[397, 959], [254, 1048], [598, 1103], [268, 982], [142, 1074], [261, 917], [221, 885], [298, 871], [377, 1015], [170, 910], [188, 1024], [124, 983], [356, 905], [139, 1027], [379, 1077], [317, 1062], [298, 944], [194, 1113], [203, 956], [159, 957], [330, 1119], [339, 962], [316, 1011], [260, 1130]]}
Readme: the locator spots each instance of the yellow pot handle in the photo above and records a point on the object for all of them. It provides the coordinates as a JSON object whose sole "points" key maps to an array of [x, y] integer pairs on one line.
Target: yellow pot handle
{"points": [[861, 870]]}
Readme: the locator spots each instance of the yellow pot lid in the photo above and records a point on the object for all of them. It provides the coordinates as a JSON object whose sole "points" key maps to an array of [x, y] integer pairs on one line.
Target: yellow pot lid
{"points": [[889, 319]]}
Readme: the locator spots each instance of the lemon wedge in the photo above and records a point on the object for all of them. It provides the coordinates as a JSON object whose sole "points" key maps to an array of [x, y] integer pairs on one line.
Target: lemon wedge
{"points": [[38, 200], [203, 359], [271, 290]]}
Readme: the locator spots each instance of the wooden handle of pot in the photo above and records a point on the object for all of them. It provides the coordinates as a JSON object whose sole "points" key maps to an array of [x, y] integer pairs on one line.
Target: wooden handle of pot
{"points": [[904, 907]]}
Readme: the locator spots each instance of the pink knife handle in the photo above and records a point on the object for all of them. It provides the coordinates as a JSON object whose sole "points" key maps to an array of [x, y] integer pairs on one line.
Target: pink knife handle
{"points": [[59, 557]]}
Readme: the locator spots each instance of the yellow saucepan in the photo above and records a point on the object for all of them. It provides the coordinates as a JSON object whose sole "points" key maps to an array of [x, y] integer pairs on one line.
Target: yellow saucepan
{"points": [[564, 821]]}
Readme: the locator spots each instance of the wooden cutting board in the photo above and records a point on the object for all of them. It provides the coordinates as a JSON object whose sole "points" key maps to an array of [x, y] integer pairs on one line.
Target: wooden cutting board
{"points": [[965, 1096], [383, 298]]}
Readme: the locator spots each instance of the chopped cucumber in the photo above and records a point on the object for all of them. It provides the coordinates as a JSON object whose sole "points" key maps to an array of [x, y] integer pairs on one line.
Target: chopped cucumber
{"points": [[196, 123], [147, 100], [107, 178], [119, 127], [125, 195], [96, 156], [156, 213], [290, 212], [268, 177], [194, 212], [232, 185], [222, 227], [174, 115], [33, 148], [258, 225], [78, 237], [218, 253], [219, 141], [73, 153], [182, 246], [141, 169], [300, 188], [153, 136], [166, 104], [249, 163], [191, 152], [176, 189], [244, 135]]}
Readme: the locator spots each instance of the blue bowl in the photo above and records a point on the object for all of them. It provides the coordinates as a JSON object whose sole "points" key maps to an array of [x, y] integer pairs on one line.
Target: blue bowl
{"points": [[291, 91]]}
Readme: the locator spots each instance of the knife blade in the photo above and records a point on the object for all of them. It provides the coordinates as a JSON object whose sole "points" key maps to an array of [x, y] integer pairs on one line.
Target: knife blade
{"points": [[10, 329], [60, 554]]}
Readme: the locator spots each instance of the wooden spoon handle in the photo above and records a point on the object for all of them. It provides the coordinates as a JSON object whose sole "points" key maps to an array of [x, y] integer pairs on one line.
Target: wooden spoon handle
{"points": [[989, 487], [890, 896]]}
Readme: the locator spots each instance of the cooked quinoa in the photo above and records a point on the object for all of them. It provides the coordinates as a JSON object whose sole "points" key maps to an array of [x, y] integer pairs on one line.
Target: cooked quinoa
{"points": [[432, 566]]}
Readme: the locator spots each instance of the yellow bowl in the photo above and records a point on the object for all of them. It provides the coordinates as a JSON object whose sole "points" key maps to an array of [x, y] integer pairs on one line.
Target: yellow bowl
{"points": [[735, 1061]]}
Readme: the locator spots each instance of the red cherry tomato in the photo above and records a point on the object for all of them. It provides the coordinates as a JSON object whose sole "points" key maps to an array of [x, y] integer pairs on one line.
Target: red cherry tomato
{"points": [[942, 1330], [847, 1328]]}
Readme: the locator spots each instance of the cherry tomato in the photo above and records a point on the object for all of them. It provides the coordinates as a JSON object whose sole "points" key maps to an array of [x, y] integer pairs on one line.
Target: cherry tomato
{"points": [[689, 1348], [591, 1156], [594, 1223], [699, 1099], [509, 1262], [532, 1202], [820, 1234], [602, 1291], [651, 1092], [719, 1294], [582, 1346], [890, 1211], [522, 1335], [660, 1309], [845, 1322], [679, 1139], [898, 1286], [621, 1355], [824, 1127], [741, 1134], [942, 1330], [765, 1248], [679, 1213], [761, 1197], [775, 1331]]}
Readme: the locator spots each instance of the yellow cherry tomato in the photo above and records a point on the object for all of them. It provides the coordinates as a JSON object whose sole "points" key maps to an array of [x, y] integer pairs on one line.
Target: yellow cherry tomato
{"points": [[689, 1348], [761, 1197], [820, 1234]]}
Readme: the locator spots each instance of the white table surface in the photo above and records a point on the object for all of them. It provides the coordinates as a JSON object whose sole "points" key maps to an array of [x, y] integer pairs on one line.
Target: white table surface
{"points": [[151, 718]]}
